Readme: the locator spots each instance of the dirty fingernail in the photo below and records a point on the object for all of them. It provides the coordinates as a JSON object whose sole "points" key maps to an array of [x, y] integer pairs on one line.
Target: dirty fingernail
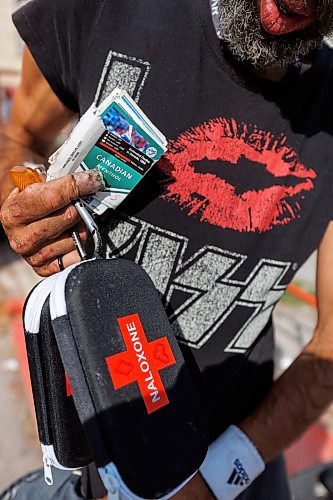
{"points": [[89, 181]]}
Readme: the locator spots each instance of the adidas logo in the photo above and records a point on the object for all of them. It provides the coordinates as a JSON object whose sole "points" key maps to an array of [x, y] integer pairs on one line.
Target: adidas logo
{"points": [[239, 476]]}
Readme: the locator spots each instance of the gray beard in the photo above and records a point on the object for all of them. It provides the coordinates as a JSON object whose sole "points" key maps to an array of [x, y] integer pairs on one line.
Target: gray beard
{"points": [[248, 42]]}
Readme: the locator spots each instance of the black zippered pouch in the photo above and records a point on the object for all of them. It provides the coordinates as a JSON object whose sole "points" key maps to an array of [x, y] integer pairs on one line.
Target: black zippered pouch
{"points": [[131, 388], [61, 434]]}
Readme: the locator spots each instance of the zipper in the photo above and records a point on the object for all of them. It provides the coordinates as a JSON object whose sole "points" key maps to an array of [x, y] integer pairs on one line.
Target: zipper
{"points": [[58, 306], [35, 304], [50, 460], [48, 476]]}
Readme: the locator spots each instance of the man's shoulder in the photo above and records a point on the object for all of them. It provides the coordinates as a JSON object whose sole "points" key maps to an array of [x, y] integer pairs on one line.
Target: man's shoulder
{"points": [[63, 6]]}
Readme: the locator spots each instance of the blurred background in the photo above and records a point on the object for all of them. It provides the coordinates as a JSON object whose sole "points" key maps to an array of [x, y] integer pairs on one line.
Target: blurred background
{"points": [[10, 55], [295, 318]]}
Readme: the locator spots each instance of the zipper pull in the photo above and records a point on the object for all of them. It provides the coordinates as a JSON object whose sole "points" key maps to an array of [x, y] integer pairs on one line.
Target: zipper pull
{"points": [[110, 481], [47, 469]]}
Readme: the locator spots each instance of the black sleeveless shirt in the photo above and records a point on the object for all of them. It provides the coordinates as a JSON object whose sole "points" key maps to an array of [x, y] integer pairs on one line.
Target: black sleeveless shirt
{"points": [[241, 198]]}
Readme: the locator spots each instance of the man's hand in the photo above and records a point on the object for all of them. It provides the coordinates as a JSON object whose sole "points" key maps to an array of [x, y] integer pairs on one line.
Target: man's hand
{"points": [[37, 220], [36, 119], [196, 489]]}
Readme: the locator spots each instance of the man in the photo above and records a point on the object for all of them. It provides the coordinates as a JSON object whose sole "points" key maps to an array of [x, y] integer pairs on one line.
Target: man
{"points": [[240, 200]]}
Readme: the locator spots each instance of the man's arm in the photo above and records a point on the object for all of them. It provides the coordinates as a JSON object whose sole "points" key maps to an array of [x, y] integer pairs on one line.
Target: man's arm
{"points": [[36, 119], [305, 390], [38, 220]]}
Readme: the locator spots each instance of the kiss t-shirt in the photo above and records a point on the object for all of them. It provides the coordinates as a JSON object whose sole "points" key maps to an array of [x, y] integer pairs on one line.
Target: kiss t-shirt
{"points": [[241, 198]]}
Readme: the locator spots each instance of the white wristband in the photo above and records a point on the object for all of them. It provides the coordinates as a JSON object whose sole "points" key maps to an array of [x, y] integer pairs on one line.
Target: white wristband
{"points": [[231, 465]]}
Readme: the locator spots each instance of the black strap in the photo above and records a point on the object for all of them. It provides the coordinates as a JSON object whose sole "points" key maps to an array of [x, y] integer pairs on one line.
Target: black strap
{"points": [[91, 483]]}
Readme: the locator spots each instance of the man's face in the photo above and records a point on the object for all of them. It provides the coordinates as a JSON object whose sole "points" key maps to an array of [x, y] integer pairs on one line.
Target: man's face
{"points": [[272, 33]]}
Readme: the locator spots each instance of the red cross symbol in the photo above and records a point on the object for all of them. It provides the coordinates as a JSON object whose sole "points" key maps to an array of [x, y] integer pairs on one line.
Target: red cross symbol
{"points": [[141, 363]]}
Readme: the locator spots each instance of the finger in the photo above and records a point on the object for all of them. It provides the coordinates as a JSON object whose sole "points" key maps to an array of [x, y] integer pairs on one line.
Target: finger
{"points": [[62, 246], [70, 258], [31, 238], [13, 193], [39, 200], [52, 267]]}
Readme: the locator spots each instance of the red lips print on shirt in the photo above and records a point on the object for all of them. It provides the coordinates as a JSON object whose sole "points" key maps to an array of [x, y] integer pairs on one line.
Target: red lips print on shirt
{"points": [[236, 176]]}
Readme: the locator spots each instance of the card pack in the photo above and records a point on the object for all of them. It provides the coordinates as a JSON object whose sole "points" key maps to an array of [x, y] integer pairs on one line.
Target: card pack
{"points": [[119, 140]]}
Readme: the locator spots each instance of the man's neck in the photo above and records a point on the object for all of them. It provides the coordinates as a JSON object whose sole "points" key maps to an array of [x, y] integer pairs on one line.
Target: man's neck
{"points": [[278, 73], [275, 74]]}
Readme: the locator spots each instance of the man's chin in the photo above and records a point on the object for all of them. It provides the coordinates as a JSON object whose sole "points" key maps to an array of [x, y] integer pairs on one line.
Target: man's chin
{"points": [[272, 54], [271, 51]]}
